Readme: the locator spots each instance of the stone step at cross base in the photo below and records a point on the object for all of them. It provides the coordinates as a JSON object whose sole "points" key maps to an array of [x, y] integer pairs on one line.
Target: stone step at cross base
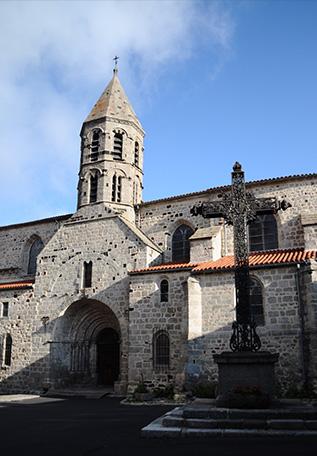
{"points": [[203, 419]]}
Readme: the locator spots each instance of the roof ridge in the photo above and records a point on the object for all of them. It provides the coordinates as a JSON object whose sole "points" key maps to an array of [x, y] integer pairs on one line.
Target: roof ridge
{"points": [[222, 187]]}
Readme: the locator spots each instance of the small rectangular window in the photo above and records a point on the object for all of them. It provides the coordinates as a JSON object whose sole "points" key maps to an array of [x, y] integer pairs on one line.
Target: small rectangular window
{"points": [[87, 279], [5, 309]]}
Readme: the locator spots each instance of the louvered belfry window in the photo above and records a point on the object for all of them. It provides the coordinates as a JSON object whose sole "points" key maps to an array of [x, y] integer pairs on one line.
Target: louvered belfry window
{"points": [[263, 233], [116, 188], [95, 145], [119, 188], [180, 244], [117, 146], [161, 350], [256, 302], [93, 188], [136, 153]]}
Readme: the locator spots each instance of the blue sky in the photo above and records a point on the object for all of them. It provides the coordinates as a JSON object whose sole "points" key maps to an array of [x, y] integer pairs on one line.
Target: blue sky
{"points": [[212, 82]]}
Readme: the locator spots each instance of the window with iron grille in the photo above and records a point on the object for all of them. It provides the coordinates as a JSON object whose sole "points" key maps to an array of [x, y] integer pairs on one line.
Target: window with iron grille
{"points": [[5, 309], [263, 233], [7, 350], [93, 188], [180, 244], [117, 146], [164, 290], [95, 145], [256, 302], [136, 153], [161, 350], [87, 276], [35, 249]]}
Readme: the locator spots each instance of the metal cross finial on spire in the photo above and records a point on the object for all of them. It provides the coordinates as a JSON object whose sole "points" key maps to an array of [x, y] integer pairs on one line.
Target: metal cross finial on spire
{"points": [[116, 58]]}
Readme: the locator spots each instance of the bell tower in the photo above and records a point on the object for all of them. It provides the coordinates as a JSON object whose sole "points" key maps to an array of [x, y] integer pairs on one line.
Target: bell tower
{"points": [[111, 165]]}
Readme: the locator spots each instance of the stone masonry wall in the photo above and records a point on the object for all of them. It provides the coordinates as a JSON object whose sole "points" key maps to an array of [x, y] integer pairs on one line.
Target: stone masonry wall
{"points": [[18, 324], [160, 219], [148, 315], [15, 242], [114, 249], [281, 332], [307, 276]]}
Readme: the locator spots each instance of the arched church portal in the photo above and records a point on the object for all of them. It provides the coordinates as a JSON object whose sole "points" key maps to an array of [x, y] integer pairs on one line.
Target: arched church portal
{"points": [[85, 350]]}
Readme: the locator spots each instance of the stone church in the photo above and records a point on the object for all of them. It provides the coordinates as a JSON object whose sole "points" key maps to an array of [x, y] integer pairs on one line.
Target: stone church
{"points": [[124, 291]]}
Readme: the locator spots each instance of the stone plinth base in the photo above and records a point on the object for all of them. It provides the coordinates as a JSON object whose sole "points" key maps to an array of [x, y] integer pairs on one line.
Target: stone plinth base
{"points": [[246, 379]]}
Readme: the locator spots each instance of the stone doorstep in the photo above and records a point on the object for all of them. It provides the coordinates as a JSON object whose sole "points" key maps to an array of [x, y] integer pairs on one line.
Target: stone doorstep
{"points": [[79, 393]]}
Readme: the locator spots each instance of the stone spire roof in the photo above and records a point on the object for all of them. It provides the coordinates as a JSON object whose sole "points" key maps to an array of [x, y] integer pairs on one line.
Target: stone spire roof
{"points": [[114, 103]]}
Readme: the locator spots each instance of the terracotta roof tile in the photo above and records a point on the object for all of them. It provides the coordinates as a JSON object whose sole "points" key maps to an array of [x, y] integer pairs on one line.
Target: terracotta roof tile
{"points": [[260, 259], [269, 257], [166, 267], [16, 285]]}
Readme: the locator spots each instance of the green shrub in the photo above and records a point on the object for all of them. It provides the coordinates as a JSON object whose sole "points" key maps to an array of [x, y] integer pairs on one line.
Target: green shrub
{"points": [[205, 390], [167, 392], [141, 388]]}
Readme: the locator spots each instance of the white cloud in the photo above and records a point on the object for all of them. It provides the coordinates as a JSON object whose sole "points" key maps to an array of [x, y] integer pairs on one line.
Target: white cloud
{"points": [[51, 52]]}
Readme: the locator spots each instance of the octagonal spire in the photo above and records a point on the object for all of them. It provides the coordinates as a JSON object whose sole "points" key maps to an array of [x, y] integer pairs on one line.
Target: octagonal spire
{"points": [[114, 103]]}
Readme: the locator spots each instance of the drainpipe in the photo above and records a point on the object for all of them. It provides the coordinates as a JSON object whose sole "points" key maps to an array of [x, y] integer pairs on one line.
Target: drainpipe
{"points": [[301, 314], [224, 249]]}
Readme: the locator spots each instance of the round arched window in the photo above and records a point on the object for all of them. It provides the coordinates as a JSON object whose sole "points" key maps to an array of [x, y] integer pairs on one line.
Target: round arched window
{"points": [[180, 244]]}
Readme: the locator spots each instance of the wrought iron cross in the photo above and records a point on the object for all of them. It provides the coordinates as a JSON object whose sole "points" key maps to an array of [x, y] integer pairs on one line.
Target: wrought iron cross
{"points": [[239, 208], [116, 58]]}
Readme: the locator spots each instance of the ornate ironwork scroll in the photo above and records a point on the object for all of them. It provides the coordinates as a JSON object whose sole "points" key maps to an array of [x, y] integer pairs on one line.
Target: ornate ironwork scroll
{"points": [[239, 208]]}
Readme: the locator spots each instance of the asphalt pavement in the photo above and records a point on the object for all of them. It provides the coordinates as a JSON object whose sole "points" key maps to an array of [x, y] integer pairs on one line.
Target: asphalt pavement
{"points": [[43, 426]]}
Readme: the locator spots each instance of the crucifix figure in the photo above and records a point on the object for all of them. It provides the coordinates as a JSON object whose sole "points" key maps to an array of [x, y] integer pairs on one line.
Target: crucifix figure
{"points": [[239, 208]]}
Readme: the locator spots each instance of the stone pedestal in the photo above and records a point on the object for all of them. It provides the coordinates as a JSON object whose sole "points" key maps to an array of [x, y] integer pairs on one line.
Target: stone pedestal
{"points": [[246, 379]]}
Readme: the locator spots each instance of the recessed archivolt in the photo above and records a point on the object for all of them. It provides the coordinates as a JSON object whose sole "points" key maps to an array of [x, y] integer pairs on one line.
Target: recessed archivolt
{"points": [[83, 320], [91, 132], [118, 172], [173, 227], [119, 130], [92, 172]]}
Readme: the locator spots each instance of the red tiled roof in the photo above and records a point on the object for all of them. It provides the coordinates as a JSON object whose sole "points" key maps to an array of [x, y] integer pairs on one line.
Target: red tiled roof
{"points": [[263, 258], [269, 257], [16, 285], [166, 267]]}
